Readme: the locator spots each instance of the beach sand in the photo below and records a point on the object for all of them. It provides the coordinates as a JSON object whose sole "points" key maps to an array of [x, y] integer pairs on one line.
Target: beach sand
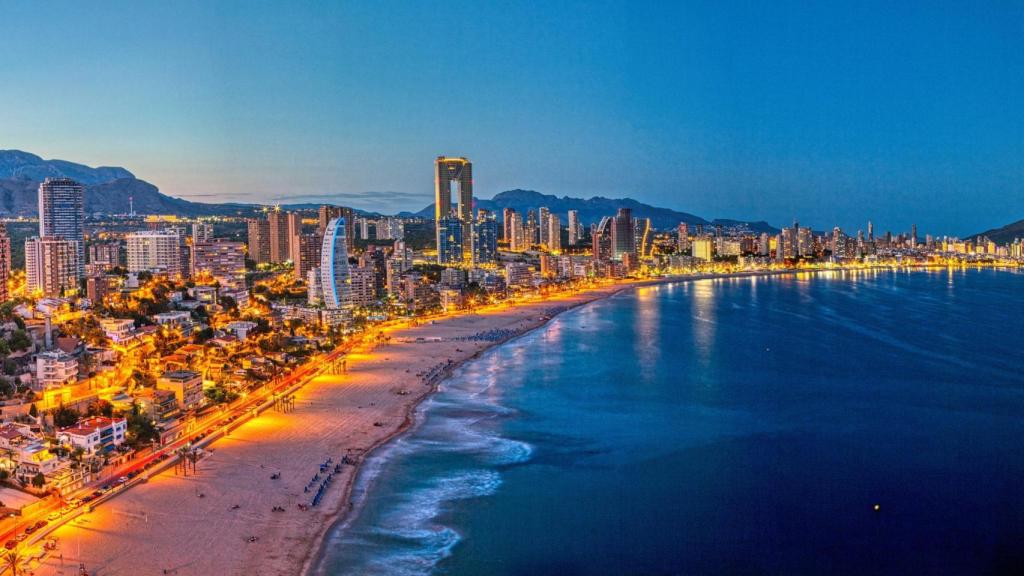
{"points": [[164, 524]]}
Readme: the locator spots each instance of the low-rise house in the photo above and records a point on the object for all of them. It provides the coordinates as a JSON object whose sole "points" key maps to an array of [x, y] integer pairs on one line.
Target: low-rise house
{"points": [[55, 368], [241, 328], [118, 329], [186, 386], [160, 405], [96, 434]]}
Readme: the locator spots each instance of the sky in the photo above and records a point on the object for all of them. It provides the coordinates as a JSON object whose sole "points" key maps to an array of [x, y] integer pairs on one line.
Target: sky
{"points": [[831, 113]]}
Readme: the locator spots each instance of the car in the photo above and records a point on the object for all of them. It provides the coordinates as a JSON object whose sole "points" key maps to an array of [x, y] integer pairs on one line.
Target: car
{"points": [[41, 524], [106, 488], [11, 544], [74, 503], [88, 499], [54, 515], [20, 537], [29, 530], [122, 479]]}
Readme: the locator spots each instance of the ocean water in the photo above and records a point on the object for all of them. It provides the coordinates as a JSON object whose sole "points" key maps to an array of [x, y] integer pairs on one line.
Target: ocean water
{"points": [[742, 426]]}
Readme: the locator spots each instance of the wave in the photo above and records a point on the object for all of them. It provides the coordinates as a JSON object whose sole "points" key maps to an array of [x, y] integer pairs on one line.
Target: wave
{"points": [[407, 539]]}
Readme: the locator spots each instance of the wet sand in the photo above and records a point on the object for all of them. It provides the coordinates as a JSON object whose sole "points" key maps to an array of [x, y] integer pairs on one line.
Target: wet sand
{"points": [[164, 524]]}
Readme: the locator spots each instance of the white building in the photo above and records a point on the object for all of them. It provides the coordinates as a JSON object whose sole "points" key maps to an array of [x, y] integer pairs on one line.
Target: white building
{"points": [[241, 328], [155, 251], [97, 434], [55, 369], [118, 329], [52, 266]]}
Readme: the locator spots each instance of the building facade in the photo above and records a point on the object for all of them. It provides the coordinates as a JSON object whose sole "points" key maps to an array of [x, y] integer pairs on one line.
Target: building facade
{"points": [[334, 268]]}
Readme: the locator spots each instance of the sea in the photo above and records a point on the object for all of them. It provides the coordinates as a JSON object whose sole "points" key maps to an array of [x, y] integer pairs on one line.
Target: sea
{"points": [[857, 423]]}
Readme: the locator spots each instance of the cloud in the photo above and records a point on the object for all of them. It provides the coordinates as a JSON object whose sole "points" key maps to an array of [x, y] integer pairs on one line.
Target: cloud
{"points": [[386, 197]]}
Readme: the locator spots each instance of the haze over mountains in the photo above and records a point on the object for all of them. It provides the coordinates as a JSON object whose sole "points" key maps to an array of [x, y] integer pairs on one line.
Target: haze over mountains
{"points": [[108, 189]]}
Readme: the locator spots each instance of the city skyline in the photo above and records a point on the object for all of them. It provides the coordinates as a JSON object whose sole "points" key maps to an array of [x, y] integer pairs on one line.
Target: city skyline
{"points": [[833, 115]]}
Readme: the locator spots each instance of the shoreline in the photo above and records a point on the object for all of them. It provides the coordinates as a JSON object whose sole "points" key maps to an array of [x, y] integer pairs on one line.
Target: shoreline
{"points": [[341, 415], [312, 566]]}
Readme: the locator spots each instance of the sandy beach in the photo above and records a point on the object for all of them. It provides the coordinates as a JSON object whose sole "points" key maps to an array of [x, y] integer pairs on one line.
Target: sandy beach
{"points": [[223, 519]]}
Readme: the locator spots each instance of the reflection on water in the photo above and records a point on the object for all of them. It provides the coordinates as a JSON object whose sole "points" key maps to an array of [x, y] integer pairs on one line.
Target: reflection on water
{"points": [[774, 413]]}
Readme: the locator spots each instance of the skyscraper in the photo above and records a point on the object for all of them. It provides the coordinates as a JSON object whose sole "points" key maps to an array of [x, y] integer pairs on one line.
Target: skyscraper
{"points": [[601, 238], [506, 221], [62, 214], [517, 240], [51, 266], [542, 226], [450, 245], [554, 235], [280, 246], [327, 213], [623, 239], [485, 238], [456, 172], [259, 241], [306, 253], [5, 262], [574, 227], [334, 271]]}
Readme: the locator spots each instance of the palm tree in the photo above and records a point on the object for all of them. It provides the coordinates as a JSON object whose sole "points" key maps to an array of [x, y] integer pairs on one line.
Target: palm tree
{"points": [[12, 561]]}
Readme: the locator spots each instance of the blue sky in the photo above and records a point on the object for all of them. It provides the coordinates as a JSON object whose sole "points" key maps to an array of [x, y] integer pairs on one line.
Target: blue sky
{"points": [[832, 113]]}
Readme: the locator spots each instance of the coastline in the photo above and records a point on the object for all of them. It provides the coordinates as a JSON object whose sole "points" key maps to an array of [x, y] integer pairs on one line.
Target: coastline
{"points": [[334, 420]]}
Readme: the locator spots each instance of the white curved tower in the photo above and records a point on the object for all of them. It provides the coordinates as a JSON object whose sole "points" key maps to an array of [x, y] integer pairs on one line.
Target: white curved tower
{"points": [[334, 272]]}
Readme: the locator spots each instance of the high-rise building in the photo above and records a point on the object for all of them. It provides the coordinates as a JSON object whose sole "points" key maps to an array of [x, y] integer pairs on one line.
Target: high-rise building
{"points": [[51, 266], [224, 261], [458, 172], [543, 232], [202, 232], [5, 263], [683, 241], [554, 235], [328, 213], [601, 239], [334, 269], [155, 251], [363, 285], [449, 240], [517, 240], [913, 236], [374, 258], [485, 238], [259, 241], [279, 235], [643, 236], [574, 227], [704, 248], [62, 214], [105, 255], [306, 253], [623, 238], [506, 224], [530, 229]]}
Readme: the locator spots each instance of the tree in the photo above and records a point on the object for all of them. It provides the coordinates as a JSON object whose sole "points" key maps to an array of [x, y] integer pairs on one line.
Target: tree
{"points": [[141, 430], [64, 417], [13, 561], [19, 340], [39, 480]]}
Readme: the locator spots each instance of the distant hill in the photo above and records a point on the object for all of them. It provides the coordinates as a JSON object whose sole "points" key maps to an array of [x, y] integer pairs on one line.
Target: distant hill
{"points": [[106, 189], [1007, 233], [593, 209]]}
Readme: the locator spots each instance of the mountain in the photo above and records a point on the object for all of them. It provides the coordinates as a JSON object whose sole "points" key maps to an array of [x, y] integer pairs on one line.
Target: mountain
{"points": [[1007, 233], [107, 189], [592, 210]]}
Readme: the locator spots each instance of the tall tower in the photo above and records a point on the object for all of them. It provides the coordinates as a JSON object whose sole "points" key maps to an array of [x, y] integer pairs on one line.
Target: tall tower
{"points": [[5, 262], [62, 213], [457, 171], [574, 227], [334, 271]]}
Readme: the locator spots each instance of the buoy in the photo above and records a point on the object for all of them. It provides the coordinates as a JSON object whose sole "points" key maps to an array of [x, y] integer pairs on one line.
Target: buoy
{"points": [[877, 507]]}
